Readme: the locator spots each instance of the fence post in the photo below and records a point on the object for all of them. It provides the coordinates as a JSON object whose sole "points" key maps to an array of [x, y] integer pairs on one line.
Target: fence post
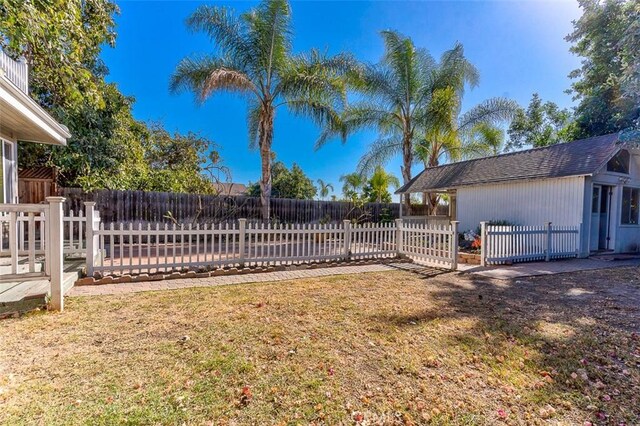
{"points": [[241, 237], [399, 245], [547, 256], [55, 253], [347, 239], [583, 250], [483, 243], [89, 207], [454, 245]]}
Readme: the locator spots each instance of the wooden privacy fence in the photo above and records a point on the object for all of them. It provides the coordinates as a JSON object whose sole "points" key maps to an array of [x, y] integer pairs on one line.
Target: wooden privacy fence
{"points": [[161, 247], [508, 244], [151, 207]]}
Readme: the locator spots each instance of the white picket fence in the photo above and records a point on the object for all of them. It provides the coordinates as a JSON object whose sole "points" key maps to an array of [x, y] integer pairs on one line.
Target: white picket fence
{"points": [[510, 244], [153, 248]]}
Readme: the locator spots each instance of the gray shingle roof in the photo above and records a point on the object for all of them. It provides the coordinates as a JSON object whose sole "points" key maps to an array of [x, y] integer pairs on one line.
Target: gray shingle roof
{"points": [[577, 158]]}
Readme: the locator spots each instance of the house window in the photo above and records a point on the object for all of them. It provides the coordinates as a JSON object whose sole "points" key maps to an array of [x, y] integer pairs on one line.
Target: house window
{"points": [[619, 163], [630, 206]]}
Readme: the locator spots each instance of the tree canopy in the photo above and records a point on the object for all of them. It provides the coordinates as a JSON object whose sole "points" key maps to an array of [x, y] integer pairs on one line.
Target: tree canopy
{"points": [[109, 148], [541, 124], [287, 183], [607, 37]]}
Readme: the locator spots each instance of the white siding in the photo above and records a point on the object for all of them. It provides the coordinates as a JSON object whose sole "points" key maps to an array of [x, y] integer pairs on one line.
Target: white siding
{"points": [[523, 203], [624, 238]]}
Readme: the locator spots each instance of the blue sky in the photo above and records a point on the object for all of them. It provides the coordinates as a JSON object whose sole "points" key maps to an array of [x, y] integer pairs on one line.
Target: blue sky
{"points": [[518, 47]]}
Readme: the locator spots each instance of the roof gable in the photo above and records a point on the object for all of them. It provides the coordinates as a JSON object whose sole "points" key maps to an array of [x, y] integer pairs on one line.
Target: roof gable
{"points": [[577, 158]]}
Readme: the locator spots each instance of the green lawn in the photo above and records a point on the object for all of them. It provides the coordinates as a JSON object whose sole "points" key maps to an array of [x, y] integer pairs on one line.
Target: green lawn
{"points": [[384, 348]]}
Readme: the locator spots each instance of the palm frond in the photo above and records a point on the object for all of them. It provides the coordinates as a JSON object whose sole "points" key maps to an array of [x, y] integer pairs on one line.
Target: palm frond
{"points": [[269, 37], [205, 75], [492, 111], [225, 29], [379, 153]]}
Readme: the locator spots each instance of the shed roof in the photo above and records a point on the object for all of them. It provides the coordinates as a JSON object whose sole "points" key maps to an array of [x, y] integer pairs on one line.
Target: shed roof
{"points": [[578, 158]]}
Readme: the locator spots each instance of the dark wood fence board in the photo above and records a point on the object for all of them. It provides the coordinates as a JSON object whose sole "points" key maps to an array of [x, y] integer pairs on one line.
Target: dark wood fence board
{"points": [[135, 206]]}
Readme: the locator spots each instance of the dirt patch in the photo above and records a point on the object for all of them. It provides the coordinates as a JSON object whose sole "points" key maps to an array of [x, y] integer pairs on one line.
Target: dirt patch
{"points": [[378, 348]]}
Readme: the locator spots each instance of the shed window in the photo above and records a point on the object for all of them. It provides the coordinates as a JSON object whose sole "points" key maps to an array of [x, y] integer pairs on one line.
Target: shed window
{"points": [[630, 206], [619, 163]]}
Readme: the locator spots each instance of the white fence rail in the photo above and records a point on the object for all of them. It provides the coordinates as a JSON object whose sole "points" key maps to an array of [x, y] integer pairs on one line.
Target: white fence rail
{"points": [[510, 244], [156, 248]]}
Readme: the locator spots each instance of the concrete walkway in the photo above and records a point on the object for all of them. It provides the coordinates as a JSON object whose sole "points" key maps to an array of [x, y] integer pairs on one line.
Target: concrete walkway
{"points": [[520, 270], [123, 288]]}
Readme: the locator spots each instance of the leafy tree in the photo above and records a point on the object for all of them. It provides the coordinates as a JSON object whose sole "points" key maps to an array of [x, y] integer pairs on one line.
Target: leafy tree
{"points": [[325, 188], [376, 190], [287, 183], [105, 149], [541, 124], [254, 59], [61, 41], [352, 184], [607, 37], [182, 163]]}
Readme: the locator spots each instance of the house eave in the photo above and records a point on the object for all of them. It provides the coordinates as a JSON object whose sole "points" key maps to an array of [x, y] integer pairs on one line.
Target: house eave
{"points": [[37, 125]]}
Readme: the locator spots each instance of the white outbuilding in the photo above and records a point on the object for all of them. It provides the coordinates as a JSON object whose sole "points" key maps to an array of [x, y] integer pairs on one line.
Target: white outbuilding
{"points": [[591, 183]]}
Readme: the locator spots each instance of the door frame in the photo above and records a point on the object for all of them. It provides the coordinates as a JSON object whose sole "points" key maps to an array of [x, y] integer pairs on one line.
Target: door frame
{"points": [[605, 190]]}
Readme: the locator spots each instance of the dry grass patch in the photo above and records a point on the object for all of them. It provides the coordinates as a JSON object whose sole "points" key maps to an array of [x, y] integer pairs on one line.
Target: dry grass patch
{"points": [[380, 348]]}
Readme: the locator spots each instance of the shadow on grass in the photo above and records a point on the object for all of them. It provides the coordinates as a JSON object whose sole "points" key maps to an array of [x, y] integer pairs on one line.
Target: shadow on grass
{"points": [[567, 344]]}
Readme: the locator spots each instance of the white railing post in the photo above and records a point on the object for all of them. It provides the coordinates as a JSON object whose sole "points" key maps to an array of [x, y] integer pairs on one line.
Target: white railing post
{"points": [[241, 238], [583, 249], [399, 246], [91, 236], [55, 254], [13, 241], [346, 250], [483, 243], [547, 256], [454, 244]]}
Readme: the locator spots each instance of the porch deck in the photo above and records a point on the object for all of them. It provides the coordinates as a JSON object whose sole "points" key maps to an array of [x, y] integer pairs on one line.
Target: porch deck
{"points": [[31, 292]]}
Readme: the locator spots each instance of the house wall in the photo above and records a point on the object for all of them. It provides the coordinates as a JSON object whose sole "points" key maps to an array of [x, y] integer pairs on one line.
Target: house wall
{"points": [[534, 202], [624, 238], [9, 154]]}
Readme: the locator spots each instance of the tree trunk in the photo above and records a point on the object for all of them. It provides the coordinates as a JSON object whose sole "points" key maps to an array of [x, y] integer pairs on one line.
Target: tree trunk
{"points": [[407, 159], [265, 134]]}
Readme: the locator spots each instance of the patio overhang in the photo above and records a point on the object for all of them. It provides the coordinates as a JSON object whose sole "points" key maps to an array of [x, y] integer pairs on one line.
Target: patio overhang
{"points": [[22, 119]]}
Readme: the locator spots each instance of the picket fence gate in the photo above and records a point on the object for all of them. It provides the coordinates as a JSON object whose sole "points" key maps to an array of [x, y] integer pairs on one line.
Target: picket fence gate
{"points": [[158, 248], [510, 244]]}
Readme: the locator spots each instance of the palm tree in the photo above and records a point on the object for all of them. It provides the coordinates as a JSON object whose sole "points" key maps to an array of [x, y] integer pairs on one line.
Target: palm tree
{"points": [[489, 139], [379, 183], [439, 132], [392, 91], [254, 59], [325, 188], [352, 183]]}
